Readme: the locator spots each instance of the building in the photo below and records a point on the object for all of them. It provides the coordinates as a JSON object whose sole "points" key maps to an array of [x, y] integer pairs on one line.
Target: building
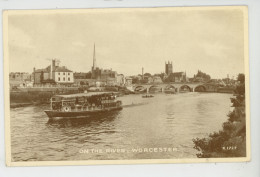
{"points": [[83, 79], [81, 75], [19, 76], [157, 79], [177, 77], [171, 76], [53, 74], [153, 80], [19, 79], [128, 81], [168, 68], [85, 82], [103, 75], [99, 73], [62, 75], [41, 75], [120, 79]]}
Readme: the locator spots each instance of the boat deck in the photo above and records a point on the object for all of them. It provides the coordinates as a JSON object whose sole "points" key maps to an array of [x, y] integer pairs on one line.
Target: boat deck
{"points": [[80, 114]]}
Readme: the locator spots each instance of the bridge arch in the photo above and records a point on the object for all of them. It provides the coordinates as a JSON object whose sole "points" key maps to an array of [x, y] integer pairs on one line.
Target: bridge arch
{"points": [[169, 87], [200, 88], [211, 87], [155, 88], [185, 88], [139, 88]]}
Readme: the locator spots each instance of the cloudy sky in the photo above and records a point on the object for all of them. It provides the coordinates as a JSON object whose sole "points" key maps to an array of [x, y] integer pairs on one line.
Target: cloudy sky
{"points": [[128, 39]]}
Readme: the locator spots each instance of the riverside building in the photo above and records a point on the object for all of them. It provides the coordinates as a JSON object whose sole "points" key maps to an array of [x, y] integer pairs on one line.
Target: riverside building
{"points": [[53, 74]]}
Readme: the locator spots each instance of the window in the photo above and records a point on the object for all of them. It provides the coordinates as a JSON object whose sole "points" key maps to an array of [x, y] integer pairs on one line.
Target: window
{"points": [[68, 73], [63, 78], [68, 79], [63, 73], [58, 73], [59, 79]]}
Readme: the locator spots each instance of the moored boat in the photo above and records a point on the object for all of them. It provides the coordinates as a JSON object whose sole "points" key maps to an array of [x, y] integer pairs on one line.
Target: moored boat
{"points": [[83, 105], [147, 96]]}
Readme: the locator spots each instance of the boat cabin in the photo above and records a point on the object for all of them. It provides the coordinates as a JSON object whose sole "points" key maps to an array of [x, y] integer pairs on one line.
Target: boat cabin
{"points": [[84, 101]]}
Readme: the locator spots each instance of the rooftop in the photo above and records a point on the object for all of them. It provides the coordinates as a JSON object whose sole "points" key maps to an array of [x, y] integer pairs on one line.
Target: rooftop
{"points": [[56, 69], [177, 74], [61, 69], [83, 94]]}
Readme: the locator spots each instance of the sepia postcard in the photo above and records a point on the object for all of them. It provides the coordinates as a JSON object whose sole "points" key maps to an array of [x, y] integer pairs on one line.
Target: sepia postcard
{"points": [[126, 85]]}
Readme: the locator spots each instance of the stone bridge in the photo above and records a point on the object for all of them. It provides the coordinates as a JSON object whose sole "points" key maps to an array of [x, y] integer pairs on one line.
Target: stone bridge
{"points": [[175, 87]]}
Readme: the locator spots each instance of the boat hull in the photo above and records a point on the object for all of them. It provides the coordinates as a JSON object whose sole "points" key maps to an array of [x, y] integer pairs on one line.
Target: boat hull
{"points": [[79, 114]]}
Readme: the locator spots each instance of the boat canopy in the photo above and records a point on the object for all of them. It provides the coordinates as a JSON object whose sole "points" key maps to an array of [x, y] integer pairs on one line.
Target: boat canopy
{"points": [[82, 94]]}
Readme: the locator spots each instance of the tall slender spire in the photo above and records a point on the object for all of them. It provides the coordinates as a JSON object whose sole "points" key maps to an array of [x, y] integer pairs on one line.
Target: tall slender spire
{"points": [[94, 58]]}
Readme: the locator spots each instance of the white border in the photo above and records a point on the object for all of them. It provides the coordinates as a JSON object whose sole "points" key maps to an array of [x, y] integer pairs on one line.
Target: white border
{"points": [[116, 10]]}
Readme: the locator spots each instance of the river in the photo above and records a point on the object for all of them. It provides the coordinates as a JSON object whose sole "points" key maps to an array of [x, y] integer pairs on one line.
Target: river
{"points": [[161, 129]]}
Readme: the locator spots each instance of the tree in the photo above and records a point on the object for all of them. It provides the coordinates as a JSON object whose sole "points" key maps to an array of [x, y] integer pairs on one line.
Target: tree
{"points": [[88, 75], [231, 140], [202, 75], [147, 75], [135, 80], [241, 78], [144, 81], [162, 76]]}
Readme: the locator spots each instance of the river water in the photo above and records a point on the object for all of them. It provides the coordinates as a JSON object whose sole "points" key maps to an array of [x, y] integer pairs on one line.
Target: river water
{"points": [[163, 128]]}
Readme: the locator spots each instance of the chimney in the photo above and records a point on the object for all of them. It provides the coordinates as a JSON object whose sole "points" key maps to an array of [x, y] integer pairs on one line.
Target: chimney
{"points": [[34, 69], [94, 58], [52, 68], [142, 72], [53, 64]]}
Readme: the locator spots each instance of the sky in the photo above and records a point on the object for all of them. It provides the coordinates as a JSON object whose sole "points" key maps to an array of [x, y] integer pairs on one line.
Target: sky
{"points": [[210, 40]]}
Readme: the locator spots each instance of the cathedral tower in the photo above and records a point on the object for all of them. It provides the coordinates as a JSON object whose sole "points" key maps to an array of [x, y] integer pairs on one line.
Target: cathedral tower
{"points": [[168, 68]]}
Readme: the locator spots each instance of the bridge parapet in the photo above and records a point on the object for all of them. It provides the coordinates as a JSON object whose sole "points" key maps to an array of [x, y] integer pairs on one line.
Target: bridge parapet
{"points": [[180, 86]]}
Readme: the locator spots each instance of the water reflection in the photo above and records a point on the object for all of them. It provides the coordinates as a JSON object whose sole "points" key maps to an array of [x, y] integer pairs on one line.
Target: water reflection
{"points": [[82, 122]]}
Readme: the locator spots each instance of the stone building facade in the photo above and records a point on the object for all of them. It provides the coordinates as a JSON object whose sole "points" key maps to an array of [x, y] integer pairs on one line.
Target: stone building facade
{"points": [[53, 74]]}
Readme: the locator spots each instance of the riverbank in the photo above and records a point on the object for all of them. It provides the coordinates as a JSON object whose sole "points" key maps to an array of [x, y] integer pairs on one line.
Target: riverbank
{"points": [[28, 96], [17, 105], [231, 140]]}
